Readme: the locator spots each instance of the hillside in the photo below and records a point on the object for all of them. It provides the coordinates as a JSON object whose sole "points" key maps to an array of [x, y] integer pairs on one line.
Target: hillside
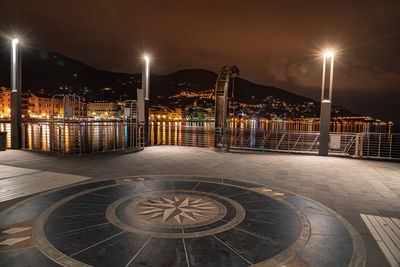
{"points": [[50, 73]]}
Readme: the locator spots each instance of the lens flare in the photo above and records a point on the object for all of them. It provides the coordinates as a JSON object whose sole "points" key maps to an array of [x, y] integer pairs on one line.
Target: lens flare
{"points": [[328, 54]]}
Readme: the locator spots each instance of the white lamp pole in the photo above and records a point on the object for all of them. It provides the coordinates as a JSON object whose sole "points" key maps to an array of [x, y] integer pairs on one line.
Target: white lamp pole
{"points": [[326, 103], [146, 92], [146, 77], [16, 92]]}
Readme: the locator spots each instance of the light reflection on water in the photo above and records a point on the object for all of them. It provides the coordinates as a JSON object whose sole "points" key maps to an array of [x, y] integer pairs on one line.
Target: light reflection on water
{"points": [[101, 136], [74, 138], [202, 133]]}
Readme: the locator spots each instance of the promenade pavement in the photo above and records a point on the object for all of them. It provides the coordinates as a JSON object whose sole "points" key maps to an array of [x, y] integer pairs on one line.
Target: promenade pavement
{"points": [[349, 186]]}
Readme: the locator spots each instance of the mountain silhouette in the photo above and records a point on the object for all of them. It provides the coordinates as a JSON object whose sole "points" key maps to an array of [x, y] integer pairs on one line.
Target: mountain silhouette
{"points": [[50, 73]]}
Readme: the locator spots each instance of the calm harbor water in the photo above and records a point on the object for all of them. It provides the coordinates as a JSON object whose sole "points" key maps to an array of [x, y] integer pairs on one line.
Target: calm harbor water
{"points": [[109, 135], [75, 137]]}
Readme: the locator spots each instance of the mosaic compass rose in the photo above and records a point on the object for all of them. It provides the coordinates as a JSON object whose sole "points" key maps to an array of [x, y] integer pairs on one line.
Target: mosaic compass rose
{"points": [[181, 209]]}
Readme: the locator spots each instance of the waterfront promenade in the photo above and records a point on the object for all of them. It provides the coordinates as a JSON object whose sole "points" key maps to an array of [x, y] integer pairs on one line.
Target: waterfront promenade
{"points": [[348, 186]]}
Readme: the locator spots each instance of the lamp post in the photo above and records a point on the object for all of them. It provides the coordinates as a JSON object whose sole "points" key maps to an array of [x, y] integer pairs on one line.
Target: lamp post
{"points": [[326, 103], [16, 92], [146, 93]]}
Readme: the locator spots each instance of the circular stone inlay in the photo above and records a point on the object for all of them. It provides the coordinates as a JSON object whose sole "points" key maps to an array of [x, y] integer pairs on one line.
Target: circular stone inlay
{"points": [[175, 214], [189, 219], [177, 210]]}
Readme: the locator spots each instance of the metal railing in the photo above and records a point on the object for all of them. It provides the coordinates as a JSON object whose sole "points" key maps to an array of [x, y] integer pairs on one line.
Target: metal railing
{"points": [[272, 140], [377, 145], [285, 141], [98, 136], [81, 137], [181, 135], [357, 145]]}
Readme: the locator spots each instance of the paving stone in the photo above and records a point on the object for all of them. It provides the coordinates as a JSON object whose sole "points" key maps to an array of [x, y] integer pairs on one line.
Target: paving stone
{"points": [[373, 187]]}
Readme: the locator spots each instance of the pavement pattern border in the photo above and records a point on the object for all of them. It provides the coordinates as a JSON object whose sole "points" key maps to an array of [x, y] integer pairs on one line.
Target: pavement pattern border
{"points": [[308, 248]]}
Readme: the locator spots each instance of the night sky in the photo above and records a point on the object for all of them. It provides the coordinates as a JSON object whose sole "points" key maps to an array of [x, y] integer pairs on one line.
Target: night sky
{"points": [[274, 43]]}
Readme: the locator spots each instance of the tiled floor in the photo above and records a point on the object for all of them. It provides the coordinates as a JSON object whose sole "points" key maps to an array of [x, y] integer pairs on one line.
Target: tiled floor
{"points": [[16, 182], [186, 221], [348, 186]]}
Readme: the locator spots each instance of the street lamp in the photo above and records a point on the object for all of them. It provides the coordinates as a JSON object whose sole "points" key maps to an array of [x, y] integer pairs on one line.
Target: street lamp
{"points": [[326, 103], [146, 78], [16, 140], [146, 93]]}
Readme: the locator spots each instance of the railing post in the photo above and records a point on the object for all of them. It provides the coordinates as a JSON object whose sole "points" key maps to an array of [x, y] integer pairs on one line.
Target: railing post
{"points": [[40, 137], [115, 134], [142, 135], [80, 135], [356, 152], [362, 145], [23, 132], [83, 137], [379, 145], [390, 145], [51, 130], [280, 141], [63, 142], [197, 137]]}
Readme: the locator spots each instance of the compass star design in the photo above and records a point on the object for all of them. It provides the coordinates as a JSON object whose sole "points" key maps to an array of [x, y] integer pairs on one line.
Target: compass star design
{"points": [[181, 209]]}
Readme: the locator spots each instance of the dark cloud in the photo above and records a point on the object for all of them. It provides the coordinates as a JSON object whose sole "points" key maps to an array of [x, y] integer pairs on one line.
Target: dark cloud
{"points": [[273, 42]]}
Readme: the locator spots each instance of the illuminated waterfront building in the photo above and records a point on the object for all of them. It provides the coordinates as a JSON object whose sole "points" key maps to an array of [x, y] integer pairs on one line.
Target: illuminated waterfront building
{"points": [[102, 109], [166, 114], [32, 106], [5, 104], [43, 107]]}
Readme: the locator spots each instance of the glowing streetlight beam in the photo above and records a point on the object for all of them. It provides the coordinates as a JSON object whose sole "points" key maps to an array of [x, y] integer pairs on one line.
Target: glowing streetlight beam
{"points": [[15, 41], [328, 54]]}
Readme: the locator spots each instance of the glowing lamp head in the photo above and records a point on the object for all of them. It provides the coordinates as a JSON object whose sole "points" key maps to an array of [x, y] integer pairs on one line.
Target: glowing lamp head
{"points": [[15, 42], [146, 58], [328, 54]]}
